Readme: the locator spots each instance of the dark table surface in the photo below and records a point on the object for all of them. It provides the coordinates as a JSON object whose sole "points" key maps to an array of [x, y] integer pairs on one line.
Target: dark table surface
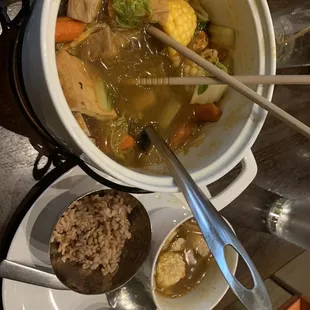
{"points": [[283, 158]]}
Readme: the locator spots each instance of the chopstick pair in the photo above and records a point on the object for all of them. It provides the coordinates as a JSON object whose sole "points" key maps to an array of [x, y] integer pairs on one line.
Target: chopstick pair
{"points": [[231, 81], [201, 80]]}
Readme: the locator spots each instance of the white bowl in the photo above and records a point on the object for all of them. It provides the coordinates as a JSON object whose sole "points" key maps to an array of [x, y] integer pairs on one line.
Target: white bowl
{"points": [[213, 287]]}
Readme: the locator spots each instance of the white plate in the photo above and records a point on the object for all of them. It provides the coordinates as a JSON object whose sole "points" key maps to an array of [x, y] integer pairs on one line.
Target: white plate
{"points": [[25, 246]]}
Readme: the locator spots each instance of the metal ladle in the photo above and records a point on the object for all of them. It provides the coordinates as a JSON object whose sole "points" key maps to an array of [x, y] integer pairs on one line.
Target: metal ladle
{"points": [[134, 253], [214, 229], [30, 275], [132, 295], [71, 275]]}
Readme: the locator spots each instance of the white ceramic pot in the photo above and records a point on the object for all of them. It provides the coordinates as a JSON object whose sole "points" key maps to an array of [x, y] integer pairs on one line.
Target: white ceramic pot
{"points": [[225, 144]]}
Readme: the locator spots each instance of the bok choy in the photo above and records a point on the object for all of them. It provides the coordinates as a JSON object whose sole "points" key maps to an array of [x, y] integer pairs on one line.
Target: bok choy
{"points": [[103, 94], [133, 13]]}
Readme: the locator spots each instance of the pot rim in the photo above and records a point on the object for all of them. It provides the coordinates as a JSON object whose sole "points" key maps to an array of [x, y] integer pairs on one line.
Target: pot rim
{"points": [[203, 176]]}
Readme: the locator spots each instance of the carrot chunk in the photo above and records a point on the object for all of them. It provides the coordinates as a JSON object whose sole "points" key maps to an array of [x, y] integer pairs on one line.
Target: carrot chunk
{"points": [[207, 112], [68, 29], [127, 143]]}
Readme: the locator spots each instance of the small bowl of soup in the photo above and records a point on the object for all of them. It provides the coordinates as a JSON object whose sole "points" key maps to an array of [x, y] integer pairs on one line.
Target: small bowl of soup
{"points": [[184, 274]]}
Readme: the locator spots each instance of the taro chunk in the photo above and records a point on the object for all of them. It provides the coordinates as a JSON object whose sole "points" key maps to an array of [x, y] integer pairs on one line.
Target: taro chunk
{"points": [[84, 10], [79, 88], [178, 245], [170, 269], [199, 244]]}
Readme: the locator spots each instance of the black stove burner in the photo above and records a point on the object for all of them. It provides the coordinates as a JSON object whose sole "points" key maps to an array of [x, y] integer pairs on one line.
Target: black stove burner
{"points": [[12, 91]]}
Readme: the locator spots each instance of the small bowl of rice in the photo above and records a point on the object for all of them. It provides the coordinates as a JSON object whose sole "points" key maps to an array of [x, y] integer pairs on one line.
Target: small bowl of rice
{"points": [[100, 241]]}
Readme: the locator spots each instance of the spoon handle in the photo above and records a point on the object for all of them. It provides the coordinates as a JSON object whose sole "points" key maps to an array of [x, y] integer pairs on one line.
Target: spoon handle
{"points": [[214, 229], [22, 273]]}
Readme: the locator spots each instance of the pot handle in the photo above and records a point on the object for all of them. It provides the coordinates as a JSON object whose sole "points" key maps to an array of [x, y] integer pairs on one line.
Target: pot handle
{"points": [[234, 189]]}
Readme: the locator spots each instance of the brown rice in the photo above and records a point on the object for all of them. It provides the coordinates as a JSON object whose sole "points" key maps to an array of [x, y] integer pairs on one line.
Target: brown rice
{"points": [[93, 232]]}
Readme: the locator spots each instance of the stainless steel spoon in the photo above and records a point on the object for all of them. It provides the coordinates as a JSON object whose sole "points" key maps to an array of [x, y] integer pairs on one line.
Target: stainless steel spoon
{"points": [[132, 296], [30, 275], [214, 229]]}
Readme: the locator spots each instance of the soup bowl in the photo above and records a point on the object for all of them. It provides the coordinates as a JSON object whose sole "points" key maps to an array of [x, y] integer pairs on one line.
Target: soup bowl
{"points": [[213, 286], [221, 146]]}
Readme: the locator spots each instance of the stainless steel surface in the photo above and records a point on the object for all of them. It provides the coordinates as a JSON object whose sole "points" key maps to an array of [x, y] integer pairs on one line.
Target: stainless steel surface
{"points": [[13, 7], [214, 229], [134, 252], [132, 296], [18, 272], [289, 219]]}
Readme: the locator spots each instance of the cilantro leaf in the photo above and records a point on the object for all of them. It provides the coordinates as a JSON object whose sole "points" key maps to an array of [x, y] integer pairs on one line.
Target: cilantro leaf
{"points": [[202, 26], [202, 89]]}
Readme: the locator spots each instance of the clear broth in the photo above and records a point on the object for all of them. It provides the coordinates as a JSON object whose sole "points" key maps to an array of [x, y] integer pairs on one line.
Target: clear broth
{"points": [[144, 57], [194, 273]]}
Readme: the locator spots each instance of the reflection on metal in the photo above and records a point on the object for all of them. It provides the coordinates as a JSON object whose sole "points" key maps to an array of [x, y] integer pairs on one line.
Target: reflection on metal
{"points": [[11, 11], [289, 220], [132, 295]]}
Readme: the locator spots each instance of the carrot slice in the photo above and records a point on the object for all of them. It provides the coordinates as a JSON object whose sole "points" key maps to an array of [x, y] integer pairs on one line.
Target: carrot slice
{"points": [[68, 29], [127, 143], [207, 112], [182, 134]]}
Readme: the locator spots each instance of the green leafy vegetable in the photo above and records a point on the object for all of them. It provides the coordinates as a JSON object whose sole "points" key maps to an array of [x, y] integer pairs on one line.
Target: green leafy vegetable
{"points": [[222, 67], [202, 89], [202, 25], [119, 130], [132, 13], [103, 95]]}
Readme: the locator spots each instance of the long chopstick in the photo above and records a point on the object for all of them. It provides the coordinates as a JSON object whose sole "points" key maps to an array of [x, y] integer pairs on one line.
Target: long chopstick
{"points": [[201, 80], [231, 81]]}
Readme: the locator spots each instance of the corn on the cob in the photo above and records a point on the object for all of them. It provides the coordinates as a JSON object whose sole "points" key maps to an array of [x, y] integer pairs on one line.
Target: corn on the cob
{"points": [[192, 69], [175, 59], [180, 24]]}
